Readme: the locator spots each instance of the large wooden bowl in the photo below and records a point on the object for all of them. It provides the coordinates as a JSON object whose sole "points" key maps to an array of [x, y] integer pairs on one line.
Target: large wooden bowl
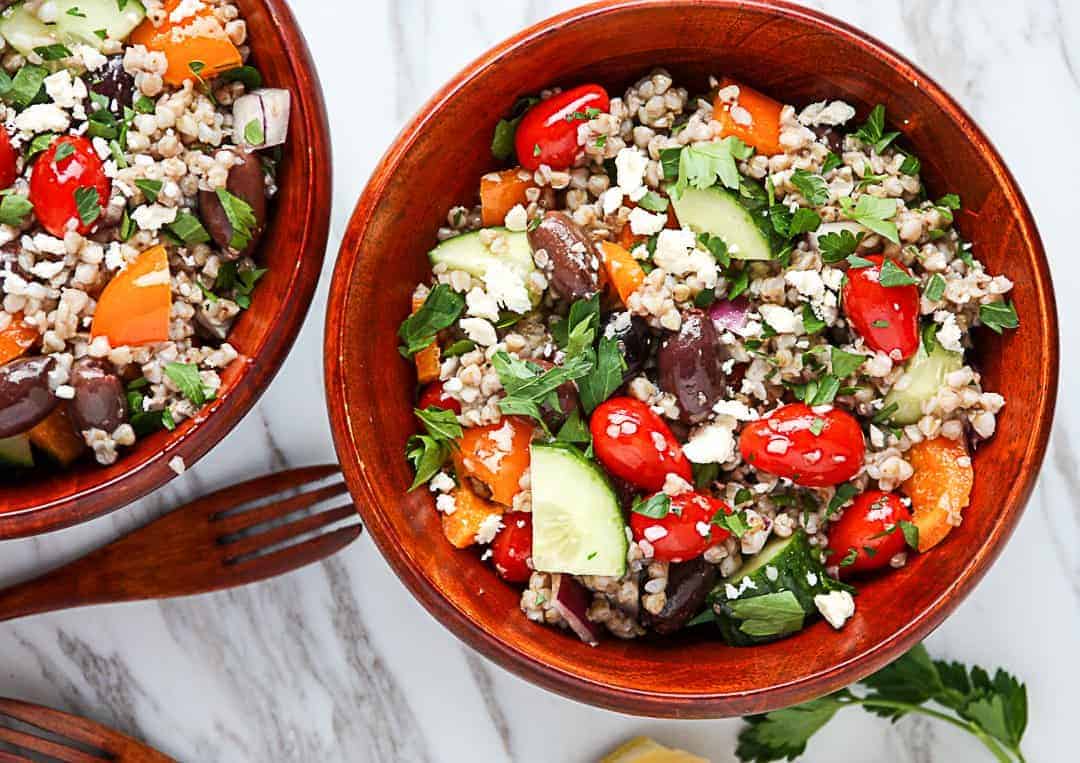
{"points": [[796, 55], [292, 248]]}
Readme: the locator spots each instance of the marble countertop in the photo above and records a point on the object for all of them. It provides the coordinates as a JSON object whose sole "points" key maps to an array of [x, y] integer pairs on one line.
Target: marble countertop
{"points": [[337, 662]]}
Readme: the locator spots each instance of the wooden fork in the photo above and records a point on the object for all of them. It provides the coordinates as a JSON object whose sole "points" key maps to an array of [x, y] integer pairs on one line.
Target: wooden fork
{"points": [[247, 532], [33, 733]]}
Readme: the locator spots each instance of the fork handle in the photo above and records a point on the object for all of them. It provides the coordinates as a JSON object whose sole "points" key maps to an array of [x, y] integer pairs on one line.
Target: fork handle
{"points": [[76, 584]]}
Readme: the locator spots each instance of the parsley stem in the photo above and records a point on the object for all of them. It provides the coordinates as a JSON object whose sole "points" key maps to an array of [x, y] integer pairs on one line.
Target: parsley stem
{"points": [[987, 740]]}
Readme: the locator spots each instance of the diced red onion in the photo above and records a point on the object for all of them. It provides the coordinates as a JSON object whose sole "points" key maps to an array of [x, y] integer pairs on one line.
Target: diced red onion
{"points": [[729, 314], [571, 600], [267, 106]]}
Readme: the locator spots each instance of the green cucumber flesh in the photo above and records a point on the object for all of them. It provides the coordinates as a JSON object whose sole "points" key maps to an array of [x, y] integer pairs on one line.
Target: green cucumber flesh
{"points": [[788, 570], [82, 20], [719, 212], [923, 377], [578, 526], [24, 31], [15, 452], [469, 253]]}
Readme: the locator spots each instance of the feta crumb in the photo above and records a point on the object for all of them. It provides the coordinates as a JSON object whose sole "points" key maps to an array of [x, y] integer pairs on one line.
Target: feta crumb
{"points": [[153, 217], [949, 334], [645, 223], [507, 288], [630, 167], [479, 331], [823, 113], [442, 483], [782, 319], [176, 463], [42, 117], [654, 533], [489, 528], [711, 443], [517, 219], [836, 607], [481, 304], [446, 504]]}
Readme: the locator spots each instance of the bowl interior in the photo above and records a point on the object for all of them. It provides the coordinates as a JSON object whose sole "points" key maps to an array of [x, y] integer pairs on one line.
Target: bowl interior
{"points": [[292, 249], [799, 57]]}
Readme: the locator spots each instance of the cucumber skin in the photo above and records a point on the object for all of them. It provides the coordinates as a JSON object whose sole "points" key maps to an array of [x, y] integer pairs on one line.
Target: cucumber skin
{"points": [[699, 211], [792, 564], [455, 253], [15, 453]]}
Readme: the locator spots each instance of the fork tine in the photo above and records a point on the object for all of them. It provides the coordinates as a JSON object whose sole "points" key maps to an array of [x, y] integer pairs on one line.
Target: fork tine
{"points": [[234, 495], [232, 523], [263, 540], [297, 556], [10, 757], [24, 741]]}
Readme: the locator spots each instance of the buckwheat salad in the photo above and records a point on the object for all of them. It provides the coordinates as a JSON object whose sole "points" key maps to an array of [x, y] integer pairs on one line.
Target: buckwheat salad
{"points": [[137, 158], [699, 361]]}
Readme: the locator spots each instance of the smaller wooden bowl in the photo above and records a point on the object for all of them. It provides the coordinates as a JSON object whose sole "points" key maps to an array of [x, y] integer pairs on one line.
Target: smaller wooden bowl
{"points": [[796, 55], [292, 248]]}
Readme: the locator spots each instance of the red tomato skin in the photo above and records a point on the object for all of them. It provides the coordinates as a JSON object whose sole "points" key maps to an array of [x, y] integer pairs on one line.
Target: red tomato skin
{"points": [[434, 395], [53, 185], [549, 126], [634, 456], [872, 513], [511, 551], [9, 160], [867, 302], [683, 541], [829, 458]]}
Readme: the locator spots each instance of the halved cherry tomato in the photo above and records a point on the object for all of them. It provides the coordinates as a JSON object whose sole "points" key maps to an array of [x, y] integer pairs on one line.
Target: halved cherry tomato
{"points": [[547, 134], [809, 448], [8, 161], [511, 550], [55, 186], [870, 527], [686, 531], [434, 395], [635, 444], [886, 317]]}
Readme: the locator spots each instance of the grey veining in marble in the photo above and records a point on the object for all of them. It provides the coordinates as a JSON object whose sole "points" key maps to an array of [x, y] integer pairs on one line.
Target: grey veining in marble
{"points": [[338, 663]]}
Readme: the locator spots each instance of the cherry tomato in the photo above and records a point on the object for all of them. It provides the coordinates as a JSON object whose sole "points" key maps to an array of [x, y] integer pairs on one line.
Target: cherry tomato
{"points": [[55, 185], [547, 134], [8, 161], [886, 317], [434, 395], [686, 531], [870, 527], [511, 551], [811, 447], [635, 444]]}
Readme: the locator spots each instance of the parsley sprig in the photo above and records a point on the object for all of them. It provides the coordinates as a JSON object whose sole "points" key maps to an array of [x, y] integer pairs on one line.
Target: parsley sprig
{"points": [[428, 452], [873, 132], [992, 708], [702, 165]]}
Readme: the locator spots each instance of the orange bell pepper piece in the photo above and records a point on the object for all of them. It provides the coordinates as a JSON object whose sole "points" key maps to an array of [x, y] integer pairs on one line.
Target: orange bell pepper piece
{"points": [[135, 306], [940, 488], [428, 360], [756, 121], [623, 271], [497, 456], [461, 527], [501, 191], [197, 42], [16, 339], [56, 436]]}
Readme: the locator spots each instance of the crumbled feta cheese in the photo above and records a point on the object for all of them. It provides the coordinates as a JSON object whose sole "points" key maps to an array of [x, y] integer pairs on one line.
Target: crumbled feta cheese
{"points": [[822, 113], [836, 607], [185, 9], [507, 287], [949, 334], [517, 219], [479, 331], [654, 533], [645, 223], [153, 217], [630, 166], [736, 410], [176, 463], [42, 117], [66, 91], [806, 282], [771, 573], [446, 504], [481, 304], [712, 443], [611, 199], [489, 528], [47, 269], [677, 253], [782, 319], [675, 485], [442, 483]]}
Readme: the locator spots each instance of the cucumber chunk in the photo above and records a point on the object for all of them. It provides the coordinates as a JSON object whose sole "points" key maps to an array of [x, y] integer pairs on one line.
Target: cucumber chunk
{"points": [[719, 212], [15, 452], [24, 31], [772, 595], [578, 527], [923, 377], [469, 253], [84, 20]]}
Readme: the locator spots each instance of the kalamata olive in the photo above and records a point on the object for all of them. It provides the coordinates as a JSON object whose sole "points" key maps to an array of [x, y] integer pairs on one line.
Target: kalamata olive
{"points": [[690, 363], [113, 82], [636, 342], [568, 400], [25, 395], [99, 401], [573, 262], [247, 182], [688, 585], [832, 136]]}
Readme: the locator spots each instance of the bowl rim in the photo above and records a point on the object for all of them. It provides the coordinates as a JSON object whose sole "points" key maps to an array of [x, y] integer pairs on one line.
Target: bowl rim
{"points": [[214, 424], [579, 687]]}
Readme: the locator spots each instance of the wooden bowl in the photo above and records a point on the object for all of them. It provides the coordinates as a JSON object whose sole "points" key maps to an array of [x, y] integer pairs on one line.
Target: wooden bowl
{"points": [[292, 248], [796, 55]]}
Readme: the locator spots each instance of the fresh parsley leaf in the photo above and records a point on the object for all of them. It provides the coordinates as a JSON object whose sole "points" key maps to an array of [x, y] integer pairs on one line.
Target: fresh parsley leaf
{"points": [[768, 615], [873, 213], [849, 558], [812, 187], [187, 379], [894, 275], [911, 165], [935, 288], [717, 248], [735, 523], [791, 224], [885, 413], [241, 219], [705, 475], [827, 388], [577, 332], [832, 161], [39, 144], [528, 386], [844, 493], [53, 52], [873, 132], [838, 246], [783, 734], [442, 307], [669, 162], [26, 86], [998, 316], [656, 507], [63, 151], [811, 323], [459, 347], [653, 202], [911, 533], [502, 142], [150, 188], [705, 616], [574, 430], [88, 204], [950, 201], [859, 262], [844, 363], [427, 456], [702, 165], [144, 105], [880, 324], [439, 423], [605, 377], [738, 283], [189, 228], [249, 75], [14, 209]]}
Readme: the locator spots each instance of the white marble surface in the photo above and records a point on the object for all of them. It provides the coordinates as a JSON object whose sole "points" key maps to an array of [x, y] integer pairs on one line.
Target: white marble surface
{"points": [[337, 662]]}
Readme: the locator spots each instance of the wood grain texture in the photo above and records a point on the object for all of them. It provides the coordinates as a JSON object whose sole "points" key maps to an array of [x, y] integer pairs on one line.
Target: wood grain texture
{"points": [[292, 248], [31, 730], [798, 56]]}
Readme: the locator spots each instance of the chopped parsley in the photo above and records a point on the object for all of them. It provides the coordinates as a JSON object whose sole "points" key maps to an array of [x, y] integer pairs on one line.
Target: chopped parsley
{"points": [[656, 507], [873, 132], [873, 213], [998, 316], [442, 307], [894, 275], [88, 204]]}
